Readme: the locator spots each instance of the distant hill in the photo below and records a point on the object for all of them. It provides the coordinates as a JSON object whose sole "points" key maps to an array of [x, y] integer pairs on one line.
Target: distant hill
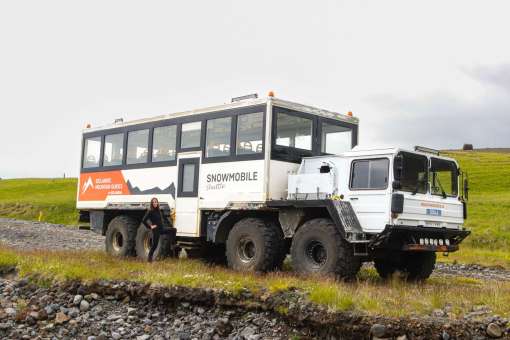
{"points": [[489, 201]]}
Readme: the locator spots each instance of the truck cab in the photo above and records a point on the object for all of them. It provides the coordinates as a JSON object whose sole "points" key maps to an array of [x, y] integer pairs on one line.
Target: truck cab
{"points": [[404, 202]]}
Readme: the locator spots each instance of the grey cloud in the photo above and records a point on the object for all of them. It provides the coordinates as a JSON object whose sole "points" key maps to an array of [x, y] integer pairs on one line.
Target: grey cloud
{"points": [[440, 120], [497, 75]]}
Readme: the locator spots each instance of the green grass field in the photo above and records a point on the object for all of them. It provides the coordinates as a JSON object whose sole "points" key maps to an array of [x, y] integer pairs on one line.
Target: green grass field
{"points": [[50, 200], [53, 200]]}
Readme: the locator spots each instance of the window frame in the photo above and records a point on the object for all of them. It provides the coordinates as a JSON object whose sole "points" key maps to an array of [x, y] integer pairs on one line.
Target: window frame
{"points": [[148, 146], [100, 160], [263, 132], [294, 155], [232, 140], [365, 160], [235, 113], [323, 120], [124, 153], [430, 177], [290, 153], [427, 168], [151, 146], [180, 175], [179, 147]]}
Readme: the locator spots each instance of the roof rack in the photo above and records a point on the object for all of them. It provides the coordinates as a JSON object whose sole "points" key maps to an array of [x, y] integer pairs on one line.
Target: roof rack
{"points": [[426, 150]]}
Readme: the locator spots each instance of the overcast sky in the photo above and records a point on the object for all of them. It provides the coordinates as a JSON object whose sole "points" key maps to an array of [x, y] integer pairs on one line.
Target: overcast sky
{"points": [[414, 72]]}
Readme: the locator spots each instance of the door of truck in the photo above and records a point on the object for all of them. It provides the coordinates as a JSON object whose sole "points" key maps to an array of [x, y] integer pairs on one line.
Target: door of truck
{"points": [[369, 192], [187, 218]]}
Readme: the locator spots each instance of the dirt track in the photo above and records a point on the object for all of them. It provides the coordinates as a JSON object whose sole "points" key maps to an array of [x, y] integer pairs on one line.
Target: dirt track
{"points": [[27, 235]]}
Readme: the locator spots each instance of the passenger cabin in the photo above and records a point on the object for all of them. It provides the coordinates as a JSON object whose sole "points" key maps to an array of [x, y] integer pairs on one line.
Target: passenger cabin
{"points": [[232, 156]]}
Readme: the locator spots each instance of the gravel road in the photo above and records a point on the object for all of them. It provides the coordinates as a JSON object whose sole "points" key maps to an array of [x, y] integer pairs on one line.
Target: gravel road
{"points": [[28, 235]]}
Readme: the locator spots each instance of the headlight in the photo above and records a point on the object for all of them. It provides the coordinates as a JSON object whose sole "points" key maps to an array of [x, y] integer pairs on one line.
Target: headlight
{"points": [[440, 242], [447, 242], [422, 241]]}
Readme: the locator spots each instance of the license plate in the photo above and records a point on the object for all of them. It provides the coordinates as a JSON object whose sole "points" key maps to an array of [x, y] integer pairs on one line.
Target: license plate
{"points": [[434, 212]]}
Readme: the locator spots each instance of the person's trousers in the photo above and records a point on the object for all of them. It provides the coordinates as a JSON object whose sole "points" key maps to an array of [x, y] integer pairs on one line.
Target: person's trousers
{"points": [[156, 233]]}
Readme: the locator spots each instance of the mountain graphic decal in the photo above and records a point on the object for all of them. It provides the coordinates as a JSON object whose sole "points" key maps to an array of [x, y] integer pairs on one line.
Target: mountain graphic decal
{"points": [[153, 191]]}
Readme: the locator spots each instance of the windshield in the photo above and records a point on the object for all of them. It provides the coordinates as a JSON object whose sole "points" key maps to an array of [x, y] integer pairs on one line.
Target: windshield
{"points": [[443, 177], [411, 172]]}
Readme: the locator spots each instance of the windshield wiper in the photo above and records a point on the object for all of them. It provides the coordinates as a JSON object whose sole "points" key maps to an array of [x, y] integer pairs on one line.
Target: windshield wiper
{"points": [[443, 193]]}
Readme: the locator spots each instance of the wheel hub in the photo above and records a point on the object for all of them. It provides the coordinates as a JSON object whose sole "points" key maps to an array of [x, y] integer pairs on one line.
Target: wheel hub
{"points": [[316, 253], [246, 250], [118, 241]]}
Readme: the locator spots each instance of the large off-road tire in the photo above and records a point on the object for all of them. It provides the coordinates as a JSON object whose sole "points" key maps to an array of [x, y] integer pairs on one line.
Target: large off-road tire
{"points": [[386, 268], [318, 247], [121, 236], [144, 242], [414, 266], [253, 244], [419, 265]]}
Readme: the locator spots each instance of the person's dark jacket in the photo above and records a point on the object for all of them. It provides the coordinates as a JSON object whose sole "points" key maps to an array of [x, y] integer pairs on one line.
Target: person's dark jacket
{"points": [[156, 217]]}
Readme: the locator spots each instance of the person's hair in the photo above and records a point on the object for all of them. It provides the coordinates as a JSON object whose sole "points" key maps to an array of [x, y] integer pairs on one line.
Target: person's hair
{"points": [[152, 206]]}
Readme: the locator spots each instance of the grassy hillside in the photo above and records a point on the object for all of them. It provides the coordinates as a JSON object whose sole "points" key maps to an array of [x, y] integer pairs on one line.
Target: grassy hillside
{"points": [[489, 200], [51, 200]]}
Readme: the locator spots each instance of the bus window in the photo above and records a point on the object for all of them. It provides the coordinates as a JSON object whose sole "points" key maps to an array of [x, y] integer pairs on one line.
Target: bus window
{"points": [[163, 146], [113, 149], [335, 139], [190, 135], [91, 152], [249, 133], [218, 137], [293, 131], [138, 147]]}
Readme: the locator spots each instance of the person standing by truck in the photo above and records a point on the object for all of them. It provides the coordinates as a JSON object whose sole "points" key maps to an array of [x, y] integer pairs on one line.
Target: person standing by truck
{"points": [[155, 220]]}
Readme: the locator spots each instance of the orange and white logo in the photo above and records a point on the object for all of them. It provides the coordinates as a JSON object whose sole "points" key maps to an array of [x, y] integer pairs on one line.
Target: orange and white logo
{"points": [[87, 185], [99, 185]]}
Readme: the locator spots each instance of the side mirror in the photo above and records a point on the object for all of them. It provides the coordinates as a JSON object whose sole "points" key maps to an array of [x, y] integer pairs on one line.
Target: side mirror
{"points": [[396, 185], [466, 189]]}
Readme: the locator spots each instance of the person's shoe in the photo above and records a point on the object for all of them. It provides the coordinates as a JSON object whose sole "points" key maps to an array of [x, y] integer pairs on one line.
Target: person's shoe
{"points": [[149, 259]]}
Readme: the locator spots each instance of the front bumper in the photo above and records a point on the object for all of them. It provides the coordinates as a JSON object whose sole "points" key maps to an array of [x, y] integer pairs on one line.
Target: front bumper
{"points": [[407, 238]]}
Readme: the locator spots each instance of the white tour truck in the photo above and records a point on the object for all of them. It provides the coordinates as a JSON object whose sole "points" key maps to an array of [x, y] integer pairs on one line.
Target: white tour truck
{"points": [[251, 181]]}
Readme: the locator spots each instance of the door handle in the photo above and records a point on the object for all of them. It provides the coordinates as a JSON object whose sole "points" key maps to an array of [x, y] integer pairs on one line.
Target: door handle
{"points": [[353, 198]]}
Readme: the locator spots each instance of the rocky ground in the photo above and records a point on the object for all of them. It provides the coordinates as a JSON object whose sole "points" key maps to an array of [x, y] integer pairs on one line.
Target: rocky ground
{"points": [[30, 312], [127, 310], [27, 235], [134, 311]]}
